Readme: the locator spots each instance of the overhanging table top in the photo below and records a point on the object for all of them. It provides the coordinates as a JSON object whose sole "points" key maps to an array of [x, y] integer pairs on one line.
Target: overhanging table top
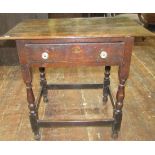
{"points": [[76, 28]]}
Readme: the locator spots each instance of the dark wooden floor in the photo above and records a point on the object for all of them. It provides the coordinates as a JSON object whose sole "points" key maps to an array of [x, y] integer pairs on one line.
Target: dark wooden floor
{"points": [[139, 105]]}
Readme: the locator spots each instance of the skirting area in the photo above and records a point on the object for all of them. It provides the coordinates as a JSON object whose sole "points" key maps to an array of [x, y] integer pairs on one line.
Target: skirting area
{"points": [[139, 106]]}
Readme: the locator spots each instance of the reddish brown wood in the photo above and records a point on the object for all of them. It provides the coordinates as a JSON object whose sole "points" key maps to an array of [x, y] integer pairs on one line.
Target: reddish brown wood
{"points": [[83, 52], [70, 54], [33, 114], [123, 74], [73, 43], [147, 18]]}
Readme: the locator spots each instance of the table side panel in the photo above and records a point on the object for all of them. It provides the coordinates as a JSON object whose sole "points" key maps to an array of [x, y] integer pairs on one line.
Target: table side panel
{"points": [[70, 54]]}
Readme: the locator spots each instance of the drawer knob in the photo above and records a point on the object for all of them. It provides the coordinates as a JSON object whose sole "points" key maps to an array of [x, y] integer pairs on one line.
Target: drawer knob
{"points": [[103, 54], [45, 55]]}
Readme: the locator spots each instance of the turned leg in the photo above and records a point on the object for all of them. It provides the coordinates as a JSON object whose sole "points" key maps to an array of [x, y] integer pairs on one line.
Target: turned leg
{"points": [[106, 84], [117, 112], [33, 113], [123, 74], [43, 84]]}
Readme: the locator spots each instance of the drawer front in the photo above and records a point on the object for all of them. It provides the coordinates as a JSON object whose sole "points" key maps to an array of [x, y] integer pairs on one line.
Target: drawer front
{"points": [[75, 54]]}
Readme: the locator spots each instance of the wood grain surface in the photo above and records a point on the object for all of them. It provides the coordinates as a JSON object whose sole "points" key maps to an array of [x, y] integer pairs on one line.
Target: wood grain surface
{"points": [[76, 27]]}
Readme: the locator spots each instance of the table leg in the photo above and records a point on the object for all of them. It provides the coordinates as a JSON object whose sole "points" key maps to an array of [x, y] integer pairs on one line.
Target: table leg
{"points": [[123, 74], [117, 112], [106, 84], [43, 84], [33, 112]]}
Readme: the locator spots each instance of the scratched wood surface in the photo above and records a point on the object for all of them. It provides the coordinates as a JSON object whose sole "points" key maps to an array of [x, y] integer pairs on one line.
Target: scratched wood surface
{"points": [[139, 108], [76, 27]]}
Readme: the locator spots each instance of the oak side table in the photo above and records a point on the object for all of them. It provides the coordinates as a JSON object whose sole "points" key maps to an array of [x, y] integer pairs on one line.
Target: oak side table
{"points": [[75, 42]]}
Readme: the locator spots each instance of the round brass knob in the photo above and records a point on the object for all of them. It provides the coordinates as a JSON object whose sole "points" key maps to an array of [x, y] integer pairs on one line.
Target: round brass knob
{"points": [[45, 55], [103, 54]]}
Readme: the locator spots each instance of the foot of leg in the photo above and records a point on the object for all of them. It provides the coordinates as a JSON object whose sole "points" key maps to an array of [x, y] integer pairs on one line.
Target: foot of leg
{"points": [[45, 99], [117, 123], [37, 136], [114, 135], [105, 99]]}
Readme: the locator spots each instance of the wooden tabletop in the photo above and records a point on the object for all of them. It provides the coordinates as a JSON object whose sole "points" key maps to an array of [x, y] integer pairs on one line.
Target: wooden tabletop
{"points": [[76, 28]]}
